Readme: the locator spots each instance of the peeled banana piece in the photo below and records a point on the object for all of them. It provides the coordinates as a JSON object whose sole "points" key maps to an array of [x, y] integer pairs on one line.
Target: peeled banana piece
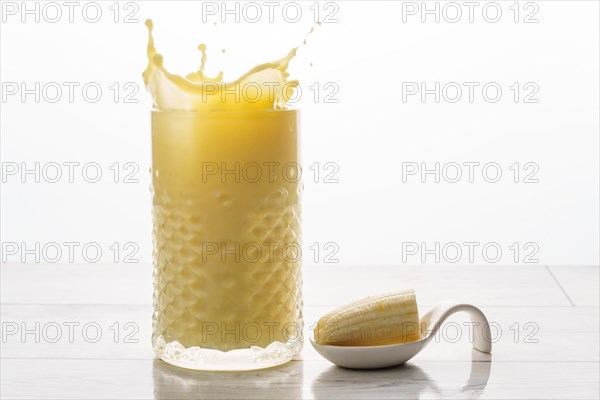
{"points": [[386, 319]]}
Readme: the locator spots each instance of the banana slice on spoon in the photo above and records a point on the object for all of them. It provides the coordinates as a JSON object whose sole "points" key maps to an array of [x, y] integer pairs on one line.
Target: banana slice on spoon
{"points": [[385, 331]]}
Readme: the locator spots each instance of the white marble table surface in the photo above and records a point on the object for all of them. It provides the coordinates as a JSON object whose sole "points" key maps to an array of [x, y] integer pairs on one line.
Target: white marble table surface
{"points": [[546, 318]]}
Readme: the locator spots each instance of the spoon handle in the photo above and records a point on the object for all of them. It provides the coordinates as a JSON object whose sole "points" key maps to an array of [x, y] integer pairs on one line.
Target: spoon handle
{"points": [[435, 317]]}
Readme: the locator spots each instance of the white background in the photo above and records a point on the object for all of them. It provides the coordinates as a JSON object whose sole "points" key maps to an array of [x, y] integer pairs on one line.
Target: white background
{"points": [[369, 133]]}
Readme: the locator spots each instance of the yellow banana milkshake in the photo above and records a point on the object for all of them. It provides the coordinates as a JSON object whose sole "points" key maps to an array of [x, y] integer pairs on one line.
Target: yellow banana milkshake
{"points": [[226, 217]]}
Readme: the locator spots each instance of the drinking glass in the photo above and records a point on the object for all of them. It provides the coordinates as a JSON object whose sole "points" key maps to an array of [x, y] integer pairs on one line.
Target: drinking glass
{"points": [[226, 190]]}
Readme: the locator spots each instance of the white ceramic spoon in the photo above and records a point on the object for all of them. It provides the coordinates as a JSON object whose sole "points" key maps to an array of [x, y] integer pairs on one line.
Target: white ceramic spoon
{"points": [[370, 357]]}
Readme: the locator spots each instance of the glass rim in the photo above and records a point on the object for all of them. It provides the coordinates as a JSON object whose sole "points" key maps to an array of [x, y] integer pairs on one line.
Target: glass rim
{"points": [[227, 112]]}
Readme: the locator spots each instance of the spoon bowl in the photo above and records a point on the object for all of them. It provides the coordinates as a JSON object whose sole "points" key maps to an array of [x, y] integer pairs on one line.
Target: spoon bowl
{"points": [[371, 357]]}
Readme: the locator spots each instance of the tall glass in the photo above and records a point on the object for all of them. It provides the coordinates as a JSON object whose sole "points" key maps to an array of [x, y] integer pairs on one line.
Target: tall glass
{"points": [[226, 229]]}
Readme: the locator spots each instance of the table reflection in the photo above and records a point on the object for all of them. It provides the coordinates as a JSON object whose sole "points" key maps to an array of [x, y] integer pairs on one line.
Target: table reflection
{"points": [[280, 382], [407, 381]]}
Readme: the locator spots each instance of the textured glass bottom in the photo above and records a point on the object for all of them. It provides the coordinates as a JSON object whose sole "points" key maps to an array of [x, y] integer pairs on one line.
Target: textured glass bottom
{"points": [[251, 358]]}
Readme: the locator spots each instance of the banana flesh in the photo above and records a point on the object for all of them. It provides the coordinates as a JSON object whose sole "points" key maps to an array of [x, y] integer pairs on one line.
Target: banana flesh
{"points": [[380, 320]]}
